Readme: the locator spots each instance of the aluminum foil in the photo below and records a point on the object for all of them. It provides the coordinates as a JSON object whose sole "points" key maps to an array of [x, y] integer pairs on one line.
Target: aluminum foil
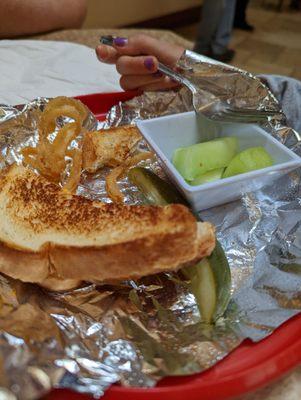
{"points": [[139, 332]]}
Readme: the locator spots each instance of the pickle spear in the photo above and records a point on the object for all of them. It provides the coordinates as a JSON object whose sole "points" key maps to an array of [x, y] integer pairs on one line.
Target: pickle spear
{"points": [[155, 190], [210, 282], [210, 279], [204, 288]]}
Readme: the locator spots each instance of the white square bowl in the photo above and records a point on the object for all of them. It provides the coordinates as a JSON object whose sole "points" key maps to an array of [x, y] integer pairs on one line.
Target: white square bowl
{"points": [[166, 134]]}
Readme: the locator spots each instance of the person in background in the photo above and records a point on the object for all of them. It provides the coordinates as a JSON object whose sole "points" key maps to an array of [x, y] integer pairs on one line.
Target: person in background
{"points": [[240, 20], [215, 29], [295, 5], [28, 17], [140, 71]]}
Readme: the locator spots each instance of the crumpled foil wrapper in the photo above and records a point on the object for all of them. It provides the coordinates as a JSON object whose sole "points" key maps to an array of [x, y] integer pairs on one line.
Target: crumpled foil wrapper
{"points": [[139, 332]]}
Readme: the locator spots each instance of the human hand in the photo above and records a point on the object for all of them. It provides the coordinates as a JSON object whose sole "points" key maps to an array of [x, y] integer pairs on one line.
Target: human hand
{"points": [[137, 58]]}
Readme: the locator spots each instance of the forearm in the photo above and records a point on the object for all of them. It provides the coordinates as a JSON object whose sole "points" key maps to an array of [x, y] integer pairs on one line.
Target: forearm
{"points": [[19, 17]]}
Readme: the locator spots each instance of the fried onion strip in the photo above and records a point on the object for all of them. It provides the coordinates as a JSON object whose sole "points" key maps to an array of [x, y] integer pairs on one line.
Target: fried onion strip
{"points": [[116, 173], [49, 157], [146, 155], [76, 169], [112, 187], [49, 117]]}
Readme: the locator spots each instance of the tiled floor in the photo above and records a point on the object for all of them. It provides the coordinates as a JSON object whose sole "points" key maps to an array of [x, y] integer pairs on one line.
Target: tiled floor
{"points": [[274, 47]]}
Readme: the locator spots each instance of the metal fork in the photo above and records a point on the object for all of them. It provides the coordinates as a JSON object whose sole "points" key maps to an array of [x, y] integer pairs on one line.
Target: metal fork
{"points": [[210, 116], [219, 111]]}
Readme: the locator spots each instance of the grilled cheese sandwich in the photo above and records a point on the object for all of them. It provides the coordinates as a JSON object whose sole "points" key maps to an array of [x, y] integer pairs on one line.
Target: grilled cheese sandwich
{"points": [[47, 236]]}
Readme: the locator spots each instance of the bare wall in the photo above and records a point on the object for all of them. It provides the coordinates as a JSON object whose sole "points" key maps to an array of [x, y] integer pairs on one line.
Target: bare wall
{"points": [[114, 13]]}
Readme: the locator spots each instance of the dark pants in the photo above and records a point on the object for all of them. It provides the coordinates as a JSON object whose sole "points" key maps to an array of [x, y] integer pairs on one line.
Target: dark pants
{"points": [[215, 28], [240, 11]]}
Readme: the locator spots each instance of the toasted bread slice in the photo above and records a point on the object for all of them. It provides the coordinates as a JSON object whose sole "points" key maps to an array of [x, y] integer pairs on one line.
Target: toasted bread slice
{"points": [[48, 236], [108, 147]]}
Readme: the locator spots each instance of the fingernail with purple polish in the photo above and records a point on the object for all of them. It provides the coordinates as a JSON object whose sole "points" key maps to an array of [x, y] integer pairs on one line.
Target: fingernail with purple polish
{"points": [[149, 63], [120, 41]]}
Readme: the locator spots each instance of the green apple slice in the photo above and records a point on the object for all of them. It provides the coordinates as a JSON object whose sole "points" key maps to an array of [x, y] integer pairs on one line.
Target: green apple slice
{"points": [[210, 176], [200, 158], [248, 160]]}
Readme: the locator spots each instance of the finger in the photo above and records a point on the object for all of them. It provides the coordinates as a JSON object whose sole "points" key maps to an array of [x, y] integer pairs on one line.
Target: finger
{"points": [[156, 86], [106, 54], [141, 44], [131, 82], [139, 65]]}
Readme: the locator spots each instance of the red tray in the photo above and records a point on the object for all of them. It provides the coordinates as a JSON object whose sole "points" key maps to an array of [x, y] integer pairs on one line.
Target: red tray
{"points": [[101, 103], [249, 367]]}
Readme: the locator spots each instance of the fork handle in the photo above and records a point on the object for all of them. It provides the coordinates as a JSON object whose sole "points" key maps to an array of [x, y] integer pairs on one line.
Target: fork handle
{"points": [[169, 72], [175, 76]]}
